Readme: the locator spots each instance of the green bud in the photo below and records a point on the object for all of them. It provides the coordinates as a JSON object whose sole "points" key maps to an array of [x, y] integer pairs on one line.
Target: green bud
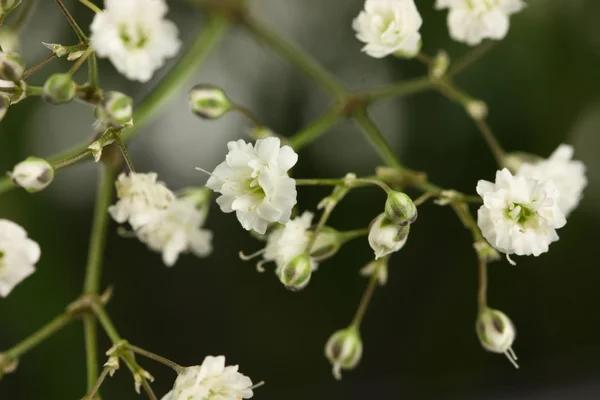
{"points": [[59, 89], [209, 102], [496, 333], [400, 208], [33, 174], [11, 67], [344, 350], [8, 5], [327, 244], [4, 103], [296, 274], [117, 108]]}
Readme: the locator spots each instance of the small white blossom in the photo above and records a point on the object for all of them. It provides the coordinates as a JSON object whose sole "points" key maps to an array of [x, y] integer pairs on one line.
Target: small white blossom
{"points": [[389, 27], [471, 21], [18, 256], [135, 36], [386, 237], [211, 381], [178, 230], [568, 176], [142, 200], [33, 174], [254, 182], [519, 214]]}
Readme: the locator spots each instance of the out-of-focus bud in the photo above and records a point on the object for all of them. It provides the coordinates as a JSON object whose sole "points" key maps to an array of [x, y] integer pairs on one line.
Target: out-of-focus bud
{"points": [[485, 251], [496, 333], [296, 274], [209, 102], [344, 350], [11, 67], [400, 208], [327, 244], [33, 174], [8, 5], [477, 109], [514, 161], [4, 103], [440, 65], [378, 268], [386, 237], [7, 365], [59, 89], [117, 108], [9, 40]]}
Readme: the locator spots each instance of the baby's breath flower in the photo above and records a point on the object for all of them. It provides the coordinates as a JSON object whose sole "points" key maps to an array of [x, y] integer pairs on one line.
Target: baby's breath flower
{"points": [[33, 174], [471, 21], [254, 182], [135, 36], [344, 350], [386, 237], [211, 381], [18, 256], [389, 27]]}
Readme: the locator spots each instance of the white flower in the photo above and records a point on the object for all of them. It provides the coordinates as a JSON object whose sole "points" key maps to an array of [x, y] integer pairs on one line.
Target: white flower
{"points": [[519, 214], [211, 381], [389, 27], [253, 182], [134, 35], [178, 230], [18, 255], [471, 21], [568, 176], [386, 237], [33, 174], [142, 199]]}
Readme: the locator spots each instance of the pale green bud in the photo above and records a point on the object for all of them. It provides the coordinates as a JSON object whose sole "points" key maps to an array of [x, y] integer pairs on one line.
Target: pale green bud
{"points": [[8, 5], [496, 333], [477, 109], [4, 103], [440, 65], [117, 108], [59, 89], [11, 67], [400, 208], [386, 237], [328, 242], [209, 102], [296, 274], [344, 350], [33, 174]]}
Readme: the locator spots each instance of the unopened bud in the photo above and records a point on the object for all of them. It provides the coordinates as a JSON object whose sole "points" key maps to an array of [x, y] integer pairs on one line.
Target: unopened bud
{"points": [[385, 236], [59, 89], [112, 364], [209, 102], [328, 242], [11, 67], [8, 5], [485, 251], [514, 161], [4, 103], [33, 174], [400, 208], [344, 350], [440, 65], [58, 49], [379, 268], [116, 108], [477, 109], [496, 333], [296, 274]]}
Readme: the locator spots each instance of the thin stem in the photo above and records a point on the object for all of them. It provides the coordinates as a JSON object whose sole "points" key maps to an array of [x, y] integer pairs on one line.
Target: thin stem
{"points": [[96, 386], [471, 57], [72, 21], [91, 6], [91, 353], [173, 365], [148, 390], [491, 140], [106, 322], [423, 198], [40, 335], [93, 77], [124, 152], [424, 58], [88, 52], [366, 298], [72, 160], [399, 89], [39, 66], [350, 235], [482, 292], [248, 114], [31, 90], [315, 129], [25, 11], [297, 56], [377, 140]]}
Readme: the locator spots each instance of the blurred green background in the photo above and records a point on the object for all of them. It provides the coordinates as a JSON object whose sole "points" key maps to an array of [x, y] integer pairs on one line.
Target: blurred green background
{"points": [[543, 88]]}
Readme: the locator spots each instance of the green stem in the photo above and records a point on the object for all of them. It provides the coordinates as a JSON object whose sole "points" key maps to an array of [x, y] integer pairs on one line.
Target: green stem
{"points": [[124, 152], [88, 52], [185, 68], [248, 114], [471, 57], [72, 21], [399, 89], [351, 235], [366, 298], [107, 324], [93, 77], [173, 365], [315, 129], [91, 6], [34, 90], [91, 354], [297, 56], [72, 160], [96, 385], [377, 140], [39, 66]]}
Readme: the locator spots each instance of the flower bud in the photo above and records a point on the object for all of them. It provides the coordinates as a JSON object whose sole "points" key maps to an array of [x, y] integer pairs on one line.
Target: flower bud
{"points": [[496, 333], [59, 89], [400, 208], [440, 65], [209, 102], [327, 244], [33, 174], [11, 67], [344, 350], [8, 5], [117, 108], [4, 103], [296, 274], [514, 161], [378, 268], [386, 237], [477, 109]]}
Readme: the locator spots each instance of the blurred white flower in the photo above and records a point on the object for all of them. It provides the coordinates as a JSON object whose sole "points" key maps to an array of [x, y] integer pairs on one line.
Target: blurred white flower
{"points": [[178, 230], [386, 237], [33, 174], [142, 200], [135, 36], [253, 182], [289, 241], [519, 214], [18, 255], [568, 176], [471, 21], [389, 27], [211, 381]]}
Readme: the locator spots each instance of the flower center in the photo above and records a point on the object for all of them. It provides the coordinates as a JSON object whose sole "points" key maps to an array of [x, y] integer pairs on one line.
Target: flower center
{"points": [[135, 38], [521, 214], [487, 5]]}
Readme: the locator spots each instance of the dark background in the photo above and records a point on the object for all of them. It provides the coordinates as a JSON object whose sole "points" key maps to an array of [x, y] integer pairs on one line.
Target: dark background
{"points": [[542, 86]]}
